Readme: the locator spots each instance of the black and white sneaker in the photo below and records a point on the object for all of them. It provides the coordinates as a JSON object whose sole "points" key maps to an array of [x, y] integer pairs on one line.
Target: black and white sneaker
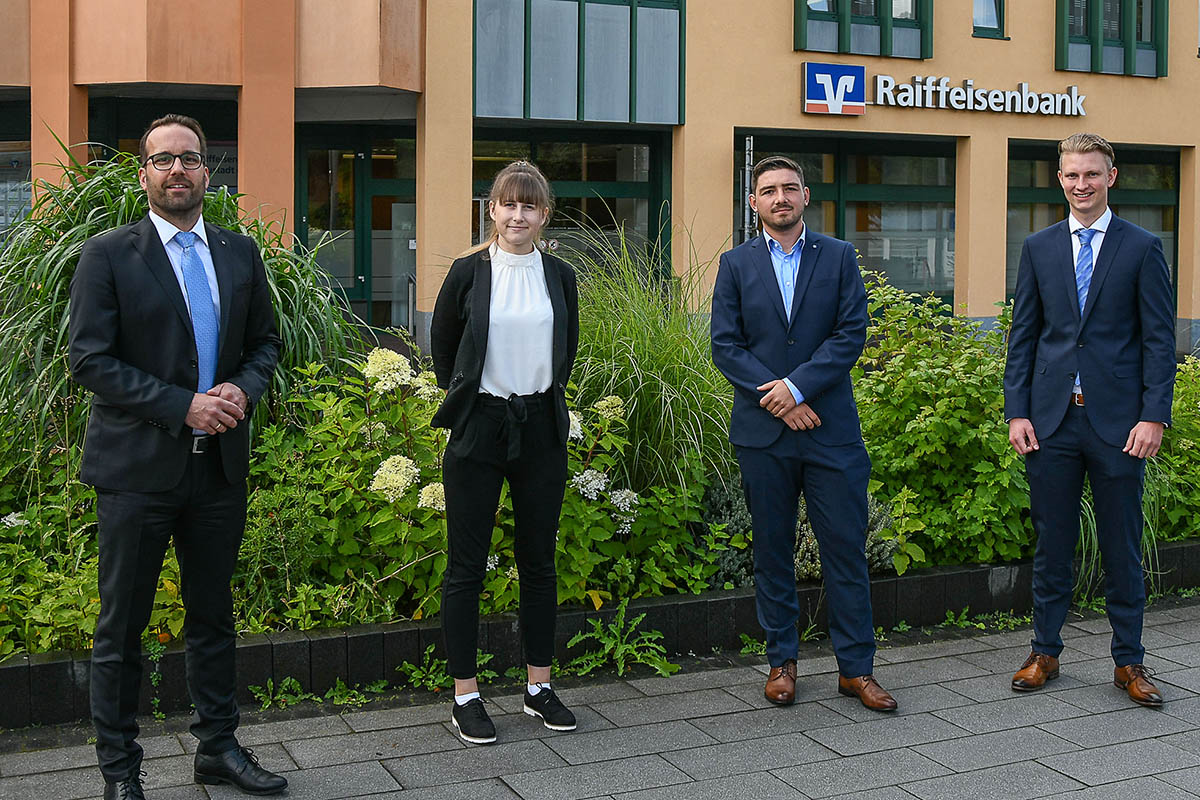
{"points": [[472, 722], [554, 714]]}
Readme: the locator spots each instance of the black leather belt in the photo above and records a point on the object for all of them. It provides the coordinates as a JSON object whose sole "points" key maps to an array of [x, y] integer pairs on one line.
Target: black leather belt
{"points": [[202, 444]]}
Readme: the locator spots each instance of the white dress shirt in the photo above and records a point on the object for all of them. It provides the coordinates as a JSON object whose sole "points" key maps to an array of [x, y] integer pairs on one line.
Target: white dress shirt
{"points": [[520, 345], [166, 232]]}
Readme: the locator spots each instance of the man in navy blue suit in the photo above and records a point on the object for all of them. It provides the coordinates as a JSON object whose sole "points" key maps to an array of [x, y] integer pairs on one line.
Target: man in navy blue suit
{"points": [[789, 319], [1087, 390]]}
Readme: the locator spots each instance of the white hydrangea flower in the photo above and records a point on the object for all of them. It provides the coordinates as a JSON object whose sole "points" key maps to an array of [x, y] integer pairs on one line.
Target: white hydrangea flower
{"points": [[493, 561], [611, 407], [426, 386], [387, 369], [590, 483], [624, 499], [14, 520], [512, 573], [433, 495], [576, 429], [394, 476], [375, 432]]}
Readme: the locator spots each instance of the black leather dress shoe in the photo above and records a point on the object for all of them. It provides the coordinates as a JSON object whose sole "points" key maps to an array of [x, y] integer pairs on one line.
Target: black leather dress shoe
{"points": [[238, 767], [128, 789]]}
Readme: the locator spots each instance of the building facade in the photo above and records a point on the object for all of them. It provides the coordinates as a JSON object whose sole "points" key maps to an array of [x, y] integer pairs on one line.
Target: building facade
{"points": [[926, 129]]}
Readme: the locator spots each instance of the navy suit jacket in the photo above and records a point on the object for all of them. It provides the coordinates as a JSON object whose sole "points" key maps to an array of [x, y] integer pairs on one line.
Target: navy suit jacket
{"points": [[1123, 344], [754, 341]]}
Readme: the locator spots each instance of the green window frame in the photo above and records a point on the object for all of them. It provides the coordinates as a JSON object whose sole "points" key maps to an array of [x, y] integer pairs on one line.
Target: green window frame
{"points": [[883, 19], [581, 76], [989, 31], [1052, 195], [1132, 50]]}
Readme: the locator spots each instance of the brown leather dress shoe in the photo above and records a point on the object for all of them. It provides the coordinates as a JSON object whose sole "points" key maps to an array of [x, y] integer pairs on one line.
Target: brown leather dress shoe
{"points": [[868, 690], [781, 684], [1135, 679], [1034, 673]]}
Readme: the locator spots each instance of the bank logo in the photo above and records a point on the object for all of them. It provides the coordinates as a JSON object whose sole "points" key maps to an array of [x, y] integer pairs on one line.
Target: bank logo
{"points": [[835, 89]]}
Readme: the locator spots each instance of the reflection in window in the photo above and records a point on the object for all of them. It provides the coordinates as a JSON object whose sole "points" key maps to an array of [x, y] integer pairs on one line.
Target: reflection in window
{"points": [[913, 243], [865, 168], [862, 8], [1110, 23], [904, 9], [1146, 176], [16, 191], [987, 14], [1077, 16], [1144, 18], [490, 157], [1024, 219], [828, 6], [394, 159], [331, 211]]}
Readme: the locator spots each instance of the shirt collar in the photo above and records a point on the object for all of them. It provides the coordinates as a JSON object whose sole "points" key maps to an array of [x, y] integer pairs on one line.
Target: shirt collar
{"points": [[1099, 225], [774, 246], [167, 230]]}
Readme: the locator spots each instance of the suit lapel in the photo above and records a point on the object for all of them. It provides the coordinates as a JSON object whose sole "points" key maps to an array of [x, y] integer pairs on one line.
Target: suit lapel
{"points": [[766, 273], [808, 262], [481, 303], [1108, 251], [558, 302], [1064, 254], [150, 247], [218, 248]]}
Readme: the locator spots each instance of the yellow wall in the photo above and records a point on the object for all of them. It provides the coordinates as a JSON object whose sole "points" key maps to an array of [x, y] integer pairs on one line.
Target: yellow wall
{"points": [[743, 73], [359, 43]]}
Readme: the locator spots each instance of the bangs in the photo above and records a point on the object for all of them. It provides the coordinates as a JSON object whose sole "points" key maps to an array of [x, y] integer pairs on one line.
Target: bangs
{"points": [[521, 186]]}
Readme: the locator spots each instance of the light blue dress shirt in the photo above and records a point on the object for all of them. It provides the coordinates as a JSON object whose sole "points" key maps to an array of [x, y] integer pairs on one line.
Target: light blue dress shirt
{"points": [[166, 232], [787, 267]]}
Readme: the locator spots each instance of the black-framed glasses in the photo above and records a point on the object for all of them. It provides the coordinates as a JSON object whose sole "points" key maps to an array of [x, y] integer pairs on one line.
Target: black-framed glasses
{"points": [[164, 161]]}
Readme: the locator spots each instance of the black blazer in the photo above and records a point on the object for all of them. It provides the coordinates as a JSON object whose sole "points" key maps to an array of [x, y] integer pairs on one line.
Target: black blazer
{"points": [[1123, 344], [131, 344], [459, 331]]}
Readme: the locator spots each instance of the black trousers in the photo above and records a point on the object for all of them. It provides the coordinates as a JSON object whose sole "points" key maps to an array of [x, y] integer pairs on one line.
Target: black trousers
{"points": [[475, 467], [206, 515]]}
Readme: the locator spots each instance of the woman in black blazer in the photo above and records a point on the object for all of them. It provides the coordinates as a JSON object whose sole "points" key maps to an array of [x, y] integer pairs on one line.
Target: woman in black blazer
{"points": [[504, 334]]}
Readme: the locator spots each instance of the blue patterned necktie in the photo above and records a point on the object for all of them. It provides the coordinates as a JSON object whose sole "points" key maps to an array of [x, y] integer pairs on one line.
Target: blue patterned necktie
{"points": [[204, 317], [1083, 265]]}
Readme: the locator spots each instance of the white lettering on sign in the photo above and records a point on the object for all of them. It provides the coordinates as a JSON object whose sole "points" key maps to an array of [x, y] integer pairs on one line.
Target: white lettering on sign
{"points": [[930, 92]]}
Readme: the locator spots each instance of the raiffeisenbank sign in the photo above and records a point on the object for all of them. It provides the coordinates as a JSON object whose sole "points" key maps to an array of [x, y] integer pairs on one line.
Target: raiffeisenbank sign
{"points": [[842, 89]]}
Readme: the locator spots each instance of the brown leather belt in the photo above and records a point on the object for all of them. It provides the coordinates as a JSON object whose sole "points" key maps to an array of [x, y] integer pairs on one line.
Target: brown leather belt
{"points": [[1077, 398]]}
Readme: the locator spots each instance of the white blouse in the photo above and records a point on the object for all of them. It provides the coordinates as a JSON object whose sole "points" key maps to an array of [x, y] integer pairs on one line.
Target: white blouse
{"points": [[519, 358]]}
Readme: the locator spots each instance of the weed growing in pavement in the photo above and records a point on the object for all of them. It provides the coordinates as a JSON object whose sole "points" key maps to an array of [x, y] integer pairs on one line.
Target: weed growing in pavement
{"points": [[343, 695], [752, 647], [622, 645], [429, 675], [289, 693]]}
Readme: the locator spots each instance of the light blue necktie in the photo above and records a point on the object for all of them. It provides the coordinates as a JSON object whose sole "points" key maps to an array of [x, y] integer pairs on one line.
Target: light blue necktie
{"points": [[1083, 265], [204, 318]]}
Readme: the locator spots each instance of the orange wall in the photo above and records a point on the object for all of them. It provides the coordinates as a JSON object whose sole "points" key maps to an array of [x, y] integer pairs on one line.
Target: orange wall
{"points": [[267, 109], [57, 107], [14, 52], [750, 77], [359, 43]]}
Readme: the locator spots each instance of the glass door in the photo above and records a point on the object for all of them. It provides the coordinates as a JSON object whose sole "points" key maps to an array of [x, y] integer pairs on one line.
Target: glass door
{"points": [[328, 219]]}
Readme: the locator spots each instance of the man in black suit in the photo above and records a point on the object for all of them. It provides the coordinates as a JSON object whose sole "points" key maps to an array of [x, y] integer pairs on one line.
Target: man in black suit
{"points": [[1087, 390], [789, 320], [172, 330]]}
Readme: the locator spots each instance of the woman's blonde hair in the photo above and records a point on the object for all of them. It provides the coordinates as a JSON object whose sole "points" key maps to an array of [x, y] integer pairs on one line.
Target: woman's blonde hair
{"points": [[523, 182]]}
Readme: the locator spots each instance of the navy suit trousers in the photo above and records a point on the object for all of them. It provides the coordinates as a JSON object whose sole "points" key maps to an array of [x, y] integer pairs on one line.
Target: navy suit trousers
{"points": [[1056, 474], [833, 480]]}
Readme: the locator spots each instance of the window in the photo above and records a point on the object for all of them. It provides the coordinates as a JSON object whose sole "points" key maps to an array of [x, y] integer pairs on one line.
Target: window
{"points": [[898, 28], [16, 192], [580, 60], [989, 19], [1146, 193], [895, 203], [1117, 37]]}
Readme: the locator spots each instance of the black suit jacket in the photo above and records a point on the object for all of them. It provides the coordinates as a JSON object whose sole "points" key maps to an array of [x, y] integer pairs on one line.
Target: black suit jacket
{"points": [[459, 332], [131, 344], [755, 342], [1123, 344]]}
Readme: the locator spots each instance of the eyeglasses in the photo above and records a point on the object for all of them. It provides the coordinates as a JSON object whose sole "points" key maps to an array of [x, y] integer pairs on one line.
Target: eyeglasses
{"points": [[164, 161]]}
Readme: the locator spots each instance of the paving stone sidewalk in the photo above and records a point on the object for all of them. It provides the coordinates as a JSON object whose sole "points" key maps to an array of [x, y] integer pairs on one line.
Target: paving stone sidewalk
{"points": [[706, 734]]}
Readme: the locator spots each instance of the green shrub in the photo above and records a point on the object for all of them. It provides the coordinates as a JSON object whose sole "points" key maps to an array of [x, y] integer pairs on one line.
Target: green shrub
{"points": [[1173, 477], [929, 388], [641, 339]]}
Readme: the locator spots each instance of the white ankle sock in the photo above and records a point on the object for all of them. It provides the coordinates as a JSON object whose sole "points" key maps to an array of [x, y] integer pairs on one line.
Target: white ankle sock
{"points": [[534, 688], [463, 699]]}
